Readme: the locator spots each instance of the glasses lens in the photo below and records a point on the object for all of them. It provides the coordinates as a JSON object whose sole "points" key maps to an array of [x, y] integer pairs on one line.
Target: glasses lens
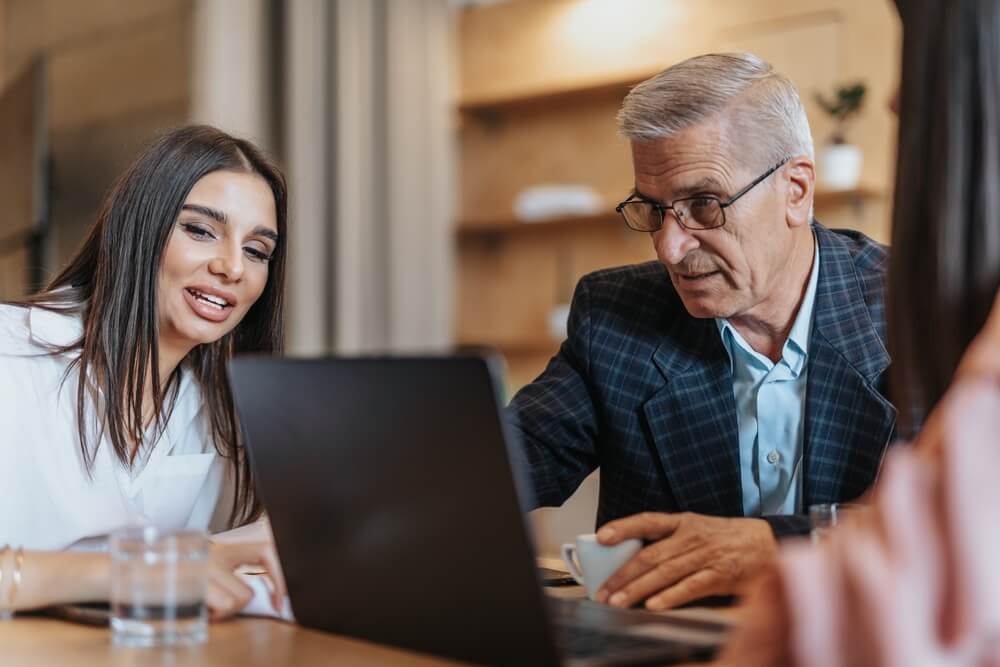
{"points": [[641, 216], [699, 212]]}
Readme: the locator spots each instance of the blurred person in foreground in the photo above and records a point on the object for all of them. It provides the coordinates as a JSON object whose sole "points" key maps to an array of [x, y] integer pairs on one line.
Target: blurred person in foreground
{"points": [[739, 379], [114, 399], [914, 580]]}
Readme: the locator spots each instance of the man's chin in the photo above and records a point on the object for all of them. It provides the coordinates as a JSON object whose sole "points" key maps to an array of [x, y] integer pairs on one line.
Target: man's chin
{"points": [[702, 308]]}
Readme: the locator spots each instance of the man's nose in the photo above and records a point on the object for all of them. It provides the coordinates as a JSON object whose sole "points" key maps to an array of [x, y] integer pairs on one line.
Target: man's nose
{"points": [[673, 242]]}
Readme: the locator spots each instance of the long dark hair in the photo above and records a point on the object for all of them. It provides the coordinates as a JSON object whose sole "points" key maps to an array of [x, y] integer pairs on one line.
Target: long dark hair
{"points": [[112, 283], [945, 265]]}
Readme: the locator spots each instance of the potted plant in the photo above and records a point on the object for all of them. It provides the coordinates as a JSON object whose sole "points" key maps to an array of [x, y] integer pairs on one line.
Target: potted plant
{"points": [[840, 162]]}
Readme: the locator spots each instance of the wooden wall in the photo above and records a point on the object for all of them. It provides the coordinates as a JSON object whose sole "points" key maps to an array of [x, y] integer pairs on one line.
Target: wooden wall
{"points": [[119, 71]]}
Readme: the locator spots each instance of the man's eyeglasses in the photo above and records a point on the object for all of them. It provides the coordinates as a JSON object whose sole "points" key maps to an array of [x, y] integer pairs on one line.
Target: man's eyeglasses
{"points": [[694, 213]]}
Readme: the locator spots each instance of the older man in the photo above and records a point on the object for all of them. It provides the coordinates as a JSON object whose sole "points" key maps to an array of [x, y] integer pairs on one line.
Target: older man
{"points": [[739, 379]]}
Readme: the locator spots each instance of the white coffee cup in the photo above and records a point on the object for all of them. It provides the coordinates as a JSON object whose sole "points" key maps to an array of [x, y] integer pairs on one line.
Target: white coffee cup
{"points": [[597, 562]]}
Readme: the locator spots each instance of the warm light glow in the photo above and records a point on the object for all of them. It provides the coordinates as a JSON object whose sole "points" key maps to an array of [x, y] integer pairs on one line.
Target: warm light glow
{"points": [[611, 26]]}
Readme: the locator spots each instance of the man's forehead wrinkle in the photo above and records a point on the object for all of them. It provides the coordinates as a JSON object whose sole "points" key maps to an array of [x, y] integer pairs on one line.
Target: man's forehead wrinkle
{"points": [[668, 171]]}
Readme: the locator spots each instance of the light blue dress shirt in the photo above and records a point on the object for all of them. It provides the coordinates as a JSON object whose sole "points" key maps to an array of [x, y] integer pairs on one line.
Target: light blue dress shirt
{"points": [[770, 409]]}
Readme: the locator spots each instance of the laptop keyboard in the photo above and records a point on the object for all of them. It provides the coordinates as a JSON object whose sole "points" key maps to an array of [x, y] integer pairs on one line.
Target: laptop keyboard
{"points": [[580, 642]]}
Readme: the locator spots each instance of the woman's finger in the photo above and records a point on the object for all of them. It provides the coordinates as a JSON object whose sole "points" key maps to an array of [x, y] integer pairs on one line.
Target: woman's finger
{"points": [[231, 556], [229, 590]]}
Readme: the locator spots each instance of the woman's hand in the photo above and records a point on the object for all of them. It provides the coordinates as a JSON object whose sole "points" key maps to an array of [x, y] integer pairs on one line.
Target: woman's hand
{"points": [[912, 583], [227, 594], [762, 635]]}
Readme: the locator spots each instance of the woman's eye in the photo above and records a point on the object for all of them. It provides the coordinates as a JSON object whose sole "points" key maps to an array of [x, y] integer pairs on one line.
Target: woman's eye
{"points": [[257, 255], [197, 231]]}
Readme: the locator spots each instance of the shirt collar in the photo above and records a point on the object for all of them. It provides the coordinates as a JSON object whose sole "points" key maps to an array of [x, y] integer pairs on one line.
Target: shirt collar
{"points": [[796, 347], [53, 328], [799, 335]]}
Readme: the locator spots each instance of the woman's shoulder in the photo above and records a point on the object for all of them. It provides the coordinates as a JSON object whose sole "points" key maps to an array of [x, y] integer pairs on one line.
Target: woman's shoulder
{"points": [[15, 331], [982, 356], [36, 329]]}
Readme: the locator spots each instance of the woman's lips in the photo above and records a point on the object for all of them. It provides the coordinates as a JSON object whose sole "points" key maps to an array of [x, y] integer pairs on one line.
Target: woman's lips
{"points": [[207, 306]]}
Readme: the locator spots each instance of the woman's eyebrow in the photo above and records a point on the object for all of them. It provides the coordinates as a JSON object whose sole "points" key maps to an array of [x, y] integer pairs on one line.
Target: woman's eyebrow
{"points": [[213, 213], [266, 233]]}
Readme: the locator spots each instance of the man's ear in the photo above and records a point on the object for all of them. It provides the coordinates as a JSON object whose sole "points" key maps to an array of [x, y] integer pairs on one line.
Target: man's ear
{"points": [[800, 172]]}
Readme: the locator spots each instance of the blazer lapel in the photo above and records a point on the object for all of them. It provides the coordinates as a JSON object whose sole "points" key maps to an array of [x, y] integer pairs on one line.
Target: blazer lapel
{"points": [[692, 420], [848, 423]]}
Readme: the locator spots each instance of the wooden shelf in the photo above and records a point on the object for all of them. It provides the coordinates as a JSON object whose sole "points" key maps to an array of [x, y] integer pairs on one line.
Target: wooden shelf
{"points": [[524, 346], [828, 198], [479, 228], [473, 228], [553, 95]]}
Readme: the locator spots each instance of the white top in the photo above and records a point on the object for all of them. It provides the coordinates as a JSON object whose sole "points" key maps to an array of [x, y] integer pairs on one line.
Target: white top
{"points": [[47, 500]]}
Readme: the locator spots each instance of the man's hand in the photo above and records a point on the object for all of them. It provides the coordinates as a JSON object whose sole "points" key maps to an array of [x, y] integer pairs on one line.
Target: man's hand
{"points": [[691, 556]]}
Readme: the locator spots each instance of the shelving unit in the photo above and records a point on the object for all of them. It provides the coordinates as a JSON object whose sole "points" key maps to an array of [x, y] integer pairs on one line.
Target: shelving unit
{"points": [[470, 228], [558, 95], [853, 197]]}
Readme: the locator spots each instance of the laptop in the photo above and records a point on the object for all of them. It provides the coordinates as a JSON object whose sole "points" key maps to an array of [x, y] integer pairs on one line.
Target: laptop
{"points": [[395, 498]]}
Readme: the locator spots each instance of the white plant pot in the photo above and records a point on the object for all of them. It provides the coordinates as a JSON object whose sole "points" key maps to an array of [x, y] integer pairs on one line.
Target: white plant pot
{"points": [[558, 321], [840, 166]]}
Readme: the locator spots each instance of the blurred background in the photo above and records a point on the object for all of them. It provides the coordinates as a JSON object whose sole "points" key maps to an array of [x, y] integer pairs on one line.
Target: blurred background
{"points": [[453, 165]]}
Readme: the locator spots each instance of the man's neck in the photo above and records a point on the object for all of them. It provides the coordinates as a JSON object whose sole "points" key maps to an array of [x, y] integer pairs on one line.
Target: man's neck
{"points": [[766, 326]]}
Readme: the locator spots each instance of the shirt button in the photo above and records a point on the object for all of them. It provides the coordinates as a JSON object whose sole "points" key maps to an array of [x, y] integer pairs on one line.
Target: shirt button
{"points": [[773, 457]]}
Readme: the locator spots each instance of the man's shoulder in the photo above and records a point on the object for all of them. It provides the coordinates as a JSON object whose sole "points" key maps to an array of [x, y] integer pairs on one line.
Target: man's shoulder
{"points": [[867, 254], [632, 290], [636, 300], [648, 278], [867, 259]]}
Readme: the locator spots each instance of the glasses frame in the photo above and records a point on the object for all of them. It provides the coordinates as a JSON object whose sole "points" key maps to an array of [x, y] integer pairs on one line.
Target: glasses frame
{"points": [[663, 208]]}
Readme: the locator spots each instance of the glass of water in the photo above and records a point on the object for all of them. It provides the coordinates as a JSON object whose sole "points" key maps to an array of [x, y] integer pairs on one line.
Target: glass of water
{"points": [[158, 583], [824, 518]]}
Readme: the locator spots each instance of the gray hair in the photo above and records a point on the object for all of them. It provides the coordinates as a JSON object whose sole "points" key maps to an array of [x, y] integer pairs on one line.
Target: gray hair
{"points": [[761, 104]]}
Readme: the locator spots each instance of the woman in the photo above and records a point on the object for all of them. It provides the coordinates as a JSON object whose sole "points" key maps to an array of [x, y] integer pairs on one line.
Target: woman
{"points": [[114, 399], [914, 580]]}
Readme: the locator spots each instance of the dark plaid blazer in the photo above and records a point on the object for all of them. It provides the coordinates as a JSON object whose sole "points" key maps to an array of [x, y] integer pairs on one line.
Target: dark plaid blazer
{"points": [[644, 391]]}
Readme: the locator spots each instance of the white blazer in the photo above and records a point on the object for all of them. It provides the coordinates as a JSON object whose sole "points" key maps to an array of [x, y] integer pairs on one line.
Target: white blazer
{"points": [[47, 499]]}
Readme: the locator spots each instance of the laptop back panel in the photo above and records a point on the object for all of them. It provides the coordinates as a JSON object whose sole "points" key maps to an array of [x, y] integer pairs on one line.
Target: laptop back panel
{"points": [[389, 488]]}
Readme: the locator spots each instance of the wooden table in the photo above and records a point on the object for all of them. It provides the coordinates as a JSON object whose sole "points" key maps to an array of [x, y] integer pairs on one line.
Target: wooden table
{"points": [[248, 642], [245, 641]]}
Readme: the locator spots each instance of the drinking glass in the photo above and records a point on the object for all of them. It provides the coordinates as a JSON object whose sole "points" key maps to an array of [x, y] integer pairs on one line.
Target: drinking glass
{"points": [[825, 517], [158, 583]]}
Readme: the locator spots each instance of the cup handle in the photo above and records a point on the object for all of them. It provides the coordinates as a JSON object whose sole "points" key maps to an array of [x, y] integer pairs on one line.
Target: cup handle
{"points": [[569, 557]]}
